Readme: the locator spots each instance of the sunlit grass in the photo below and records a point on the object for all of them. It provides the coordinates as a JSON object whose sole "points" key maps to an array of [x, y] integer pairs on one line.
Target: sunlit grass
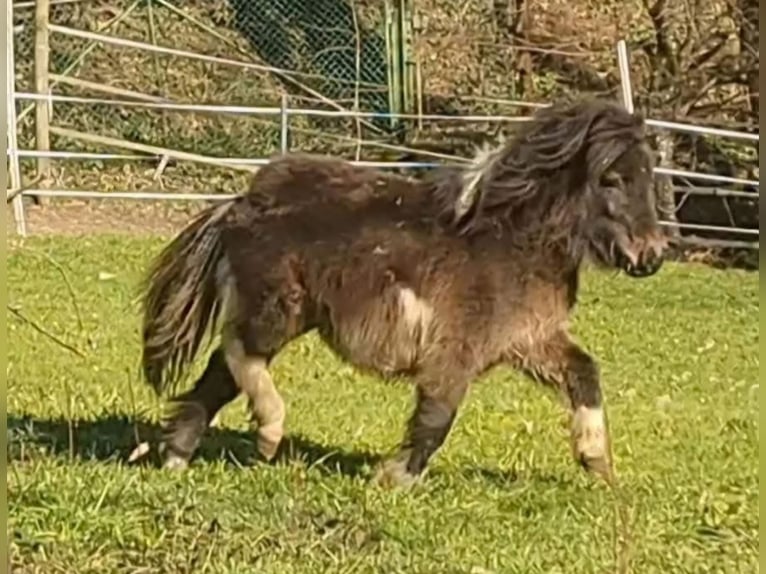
{"points": [[678, 355]]}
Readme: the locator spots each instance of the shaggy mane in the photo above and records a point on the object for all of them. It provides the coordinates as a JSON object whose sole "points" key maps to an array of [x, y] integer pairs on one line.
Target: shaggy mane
{"points": [[545, 167]]}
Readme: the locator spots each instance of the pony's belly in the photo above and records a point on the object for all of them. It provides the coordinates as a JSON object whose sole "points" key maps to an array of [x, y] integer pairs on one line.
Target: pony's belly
{"points": [[382, 358], [388, 335], [530, 339]]}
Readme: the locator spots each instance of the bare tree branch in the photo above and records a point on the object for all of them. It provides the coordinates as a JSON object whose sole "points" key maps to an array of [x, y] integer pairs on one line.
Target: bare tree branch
{"points": [[43, 331], [704, 56]]}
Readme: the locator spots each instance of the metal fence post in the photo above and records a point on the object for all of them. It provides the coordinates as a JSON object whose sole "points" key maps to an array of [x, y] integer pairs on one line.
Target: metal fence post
{"points": [[10, 97], [42, 108], [624, 67], [284, 125], [666, 199]]}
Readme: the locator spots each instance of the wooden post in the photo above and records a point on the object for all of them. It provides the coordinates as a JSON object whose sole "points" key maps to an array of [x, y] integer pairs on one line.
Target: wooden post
{"points": [[42, 107]]}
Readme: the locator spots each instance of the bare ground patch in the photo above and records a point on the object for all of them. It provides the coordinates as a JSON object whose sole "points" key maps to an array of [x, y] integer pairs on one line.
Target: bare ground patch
{"points": [[109, 216]]}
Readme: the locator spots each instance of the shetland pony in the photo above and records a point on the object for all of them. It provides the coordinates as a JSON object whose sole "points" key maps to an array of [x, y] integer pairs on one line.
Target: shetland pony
{"points": [[435, 280]]}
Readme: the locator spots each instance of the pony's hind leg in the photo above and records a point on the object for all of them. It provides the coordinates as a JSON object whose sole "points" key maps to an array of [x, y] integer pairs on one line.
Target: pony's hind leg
{"points": [[195, 409], [560, 363], [267, 408]]}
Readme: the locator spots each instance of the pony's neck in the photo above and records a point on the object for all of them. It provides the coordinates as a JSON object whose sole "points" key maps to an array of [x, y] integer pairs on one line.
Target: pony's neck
{"points": [[536, 222], [499, 200]]}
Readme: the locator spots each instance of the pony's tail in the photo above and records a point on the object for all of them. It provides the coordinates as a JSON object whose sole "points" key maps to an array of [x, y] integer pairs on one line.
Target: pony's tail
{"points": [[182, 302]]}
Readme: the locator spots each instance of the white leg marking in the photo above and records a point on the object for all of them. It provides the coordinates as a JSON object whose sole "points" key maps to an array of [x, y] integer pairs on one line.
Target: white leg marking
{"points": [[267, 406], [589, 434]]}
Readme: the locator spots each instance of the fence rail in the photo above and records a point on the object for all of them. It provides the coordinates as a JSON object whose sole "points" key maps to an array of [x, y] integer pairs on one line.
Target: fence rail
{"points": [[265, 110], [285, 117]]}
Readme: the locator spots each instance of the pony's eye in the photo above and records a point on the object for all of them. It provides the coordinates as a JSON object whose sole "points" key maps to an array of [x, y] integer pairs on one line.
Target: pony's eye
{"points": [[611, 179]]}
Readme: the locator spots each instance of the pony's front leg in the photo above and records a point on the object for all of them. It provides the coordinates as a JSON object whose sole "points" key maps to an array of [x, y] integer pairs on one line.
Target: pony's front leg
{"points": [[590, 440], [561, 363], [428, 427]]}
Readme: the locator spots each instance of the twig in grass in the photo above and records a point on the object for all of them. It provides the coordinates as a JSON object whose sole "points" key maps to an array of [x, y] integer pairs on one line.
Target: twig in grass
{"points": [[69, 419], [621, 528], [70, 288], [23, 318]]}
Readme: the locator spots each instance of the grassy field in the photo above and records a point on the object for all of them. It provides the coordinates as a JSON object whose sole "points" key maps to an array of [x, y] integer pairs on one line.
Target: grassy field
{"points": [[679, 360]]}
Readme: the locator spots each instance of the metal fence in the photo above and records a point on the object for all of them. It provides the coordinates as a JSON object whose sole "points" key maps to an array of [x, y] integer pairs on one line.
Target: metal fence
{"points": [[276, 75]]}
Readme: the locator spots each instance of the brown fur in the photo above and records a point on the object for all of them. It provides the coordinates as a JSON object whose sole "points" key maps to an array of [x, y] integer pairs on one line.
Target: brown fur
{"points": [[438, 279]]}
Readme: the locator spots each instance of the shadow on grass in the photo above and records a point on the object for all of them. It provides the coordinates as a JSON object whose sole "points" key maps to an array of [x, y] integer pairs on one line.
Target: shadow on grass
{"points": [[113, 438]]}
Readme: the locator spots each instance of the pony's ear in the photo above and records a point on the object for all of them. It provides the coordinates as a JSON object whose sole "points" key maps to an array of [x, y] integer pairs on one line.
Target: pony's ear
{"points": [[639, 121], [618, 135]]}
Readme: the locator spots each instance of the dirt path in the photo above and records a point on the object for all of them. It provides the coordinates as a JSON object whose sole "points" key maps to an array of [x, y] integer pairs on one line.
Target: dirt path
{"points": [[78, 217]]}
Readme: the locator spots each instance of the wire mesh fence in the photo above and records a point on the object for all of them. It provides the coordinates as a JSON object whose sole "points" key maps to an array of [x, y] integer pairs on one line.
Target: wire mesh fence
{"points": [[339, 48], [325, 54]]}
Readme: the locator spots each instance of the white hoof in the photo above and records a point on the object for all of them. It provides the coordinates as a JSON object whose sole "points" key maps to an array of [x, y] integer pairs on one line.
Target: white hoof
{"points": [[175, 462]]}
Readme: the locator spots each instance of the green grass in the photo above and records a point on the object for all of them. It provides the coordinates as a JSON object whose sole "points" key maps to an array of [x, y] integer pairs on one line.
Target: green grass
{"points": [[678, 354]]}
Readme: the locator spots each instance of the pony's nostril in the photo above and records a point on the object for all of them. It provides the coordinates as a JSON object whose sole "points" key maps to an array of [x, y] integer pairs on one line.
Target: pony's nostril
{"points": [[653, 255]]}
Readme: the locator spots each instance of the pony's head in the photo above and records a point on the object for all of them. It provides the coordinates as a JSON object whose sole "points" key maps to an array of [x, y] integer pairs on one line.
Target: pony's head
{"points": [[622, 228], [577, 175]]}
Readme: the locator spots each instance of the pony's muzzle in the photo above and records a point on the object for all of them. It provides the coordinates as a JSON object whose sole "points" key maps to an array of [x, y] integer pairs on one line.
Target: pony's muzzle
{"points": [[645, 258]]}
